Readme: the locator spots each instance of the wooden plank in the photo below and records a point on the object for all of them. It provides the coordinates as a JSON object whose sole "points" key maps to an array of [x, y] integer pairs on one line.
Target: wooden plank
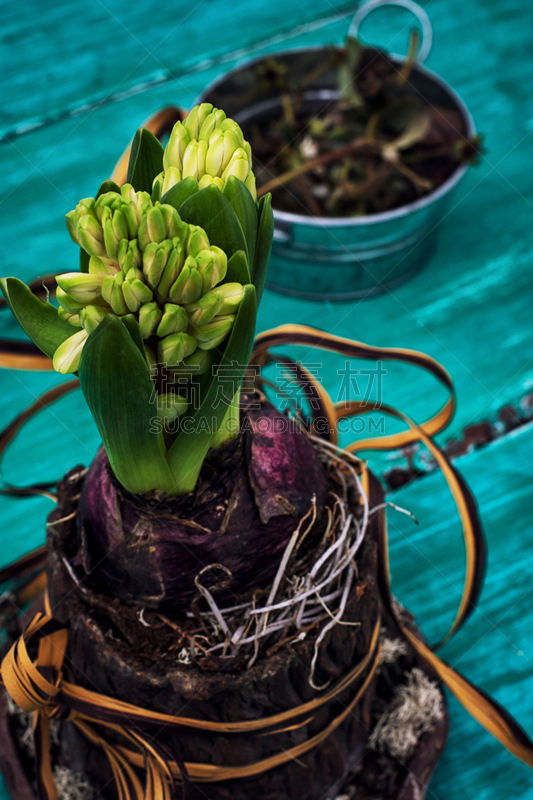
{"points": [[104, 49], [494, 649], [470, 308]]}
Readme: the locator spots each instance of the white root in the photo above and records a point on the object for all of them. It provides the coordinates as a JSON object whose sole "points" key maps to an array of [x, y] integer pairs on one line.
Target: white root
{"points": [[302, 595]]}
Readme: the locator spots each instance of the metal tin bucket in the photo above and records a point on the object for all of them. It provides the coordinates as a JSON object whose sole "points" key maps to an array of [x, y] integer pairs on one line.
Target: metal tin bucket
{"points": [[342, 258]]}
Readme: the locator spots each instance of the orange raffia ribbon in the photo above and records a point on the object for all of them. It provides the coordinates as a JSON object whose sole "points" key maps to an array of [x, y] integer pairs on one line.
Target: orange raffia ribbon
{"points": [[29, 683], [38, 686], [483, 708]]}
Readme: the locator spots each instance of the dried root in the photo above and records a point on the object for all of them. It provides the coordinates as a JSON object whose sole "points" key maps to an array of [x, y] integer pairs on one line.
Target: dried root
{"points": [[305, 594], [416, 707], [392, 649], [72, 785]]}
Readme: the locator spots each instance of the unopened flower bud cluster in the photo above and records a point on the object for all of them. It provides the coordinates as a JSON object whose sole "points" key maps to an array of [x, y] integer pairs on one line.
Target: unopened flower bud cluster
{"points": [[208, 147], [145, 261]]}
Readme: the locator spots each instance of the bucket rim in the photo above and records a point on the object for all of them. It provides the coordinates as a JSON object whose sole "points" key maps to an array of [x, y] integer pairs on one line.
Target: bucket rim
{"points": [[382, 216]]}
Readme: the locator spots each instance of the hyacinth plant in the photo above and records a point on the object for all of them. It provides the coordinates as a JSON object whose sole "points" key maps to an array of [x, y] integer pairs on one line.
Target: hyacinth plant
{"points": [[172, 268]]}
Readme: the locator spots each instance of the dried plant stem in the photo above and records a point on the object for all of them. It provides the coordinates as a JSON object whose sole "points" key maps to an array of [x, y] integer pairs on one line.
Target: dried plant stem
{"points": [[403, 74], [302, 186], [291, 174], [422, 183]]}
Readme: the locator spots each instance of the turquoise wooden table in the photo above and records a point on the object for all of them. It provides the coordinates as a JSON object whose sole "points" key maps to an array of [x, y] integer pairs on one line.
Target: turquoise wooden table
{"points": [[77, 81]]}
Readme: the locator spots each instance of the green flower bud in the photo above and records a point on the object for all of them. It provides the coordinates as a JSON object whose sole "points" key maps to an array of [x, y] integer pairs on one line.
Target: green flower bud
{"points": [[211, 335], [110, 204], [232, 142], [205, 308], [129, 255], [71, 226], [207, 180], [234, 127], [238, 166], [159, 223], [212, 266], [188, 287], [67, 356], [136, 293], [134, 274], [179, 139], [115, 228], [174, 320], [195, 119], [157, 185], [154, 260], [91, 236], [67, 302], [171, 177], [232, 294], [211, 123], [152, 228], [215, 153], [141, 201], [250, 185], [194, 160], [102, 266], [220, 301], [84, 207], [197, 240], [113, 294], [149, 317], [82, 287], [222, 146], [106, 200], [175, 226], [207, 267], [91, 316], [199, 363], [175, 262], [170, 406], [74, 319], [190, 123], [174, 348], [221, 261], [204, 111], [203, 147]]}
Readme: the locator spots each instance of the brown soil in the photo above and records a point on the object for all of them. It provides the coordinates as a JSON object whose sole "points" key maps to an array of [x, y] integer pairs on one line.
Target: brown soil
{"points": [[349, 152]]}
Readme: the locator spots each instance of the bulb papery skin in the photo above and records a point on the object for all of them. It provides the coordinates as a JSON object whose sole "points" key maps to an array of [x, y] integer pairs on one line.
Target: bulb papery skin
{"points": [[144, 260], [250, 498]]}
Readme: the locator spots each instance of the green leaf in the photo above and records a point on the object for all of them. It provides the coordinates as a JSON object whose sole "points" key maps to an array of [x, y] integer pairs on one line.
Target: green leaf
{"points": [[146, 160], [108, 186], [84, 260], [238, 270], [155, 197], [186, 456], [348, 70], [134, 331], [245, 209], [213, 212], [38, 320], [263, 247], [181, 192], [120, 393]]}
